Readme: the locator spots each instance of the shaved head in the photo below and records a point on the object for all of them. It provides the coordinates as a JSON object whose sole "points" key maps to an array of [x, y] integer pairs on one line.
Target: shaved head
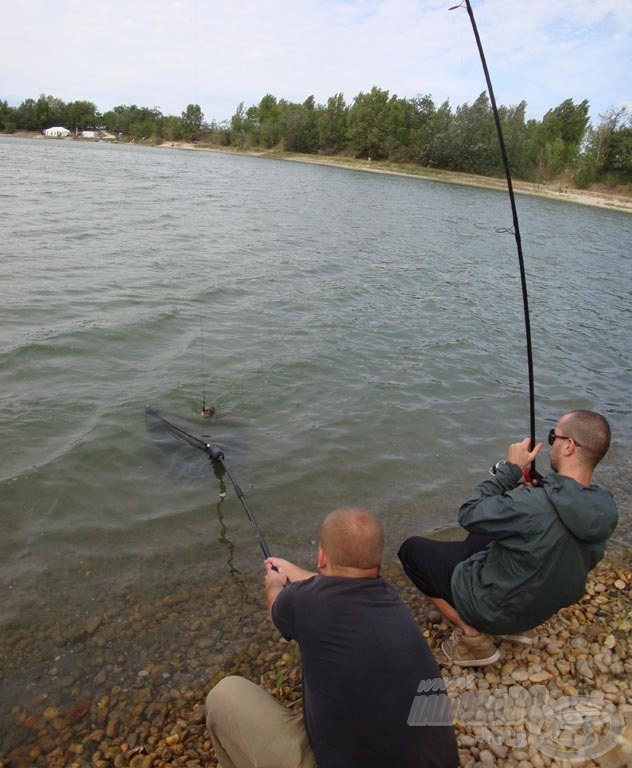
{"points": [[352, 538], [591, 431]]}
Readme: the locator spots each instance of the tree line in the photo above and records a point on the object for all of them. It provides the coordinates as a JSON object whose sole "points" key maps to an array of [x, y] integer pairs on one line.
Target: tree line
{"points": [[376, 126]]}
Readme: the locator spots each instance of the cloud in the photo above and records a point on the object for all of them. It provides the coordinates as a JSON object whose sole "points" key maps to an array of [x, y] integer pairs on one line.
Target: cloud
{"points": [[216, 54]]}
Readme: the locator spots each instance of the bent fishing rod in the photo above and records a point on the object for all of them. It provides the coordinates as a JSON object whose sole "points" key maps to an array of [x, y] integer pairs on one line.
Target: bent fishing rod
{"points": [[216, 456], [515, 229]]}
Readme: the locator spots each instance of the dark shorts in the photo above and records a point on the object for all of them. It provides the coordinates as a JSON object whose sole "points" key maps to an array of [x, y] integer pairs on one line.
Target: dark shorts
{"points": [[429, 564]]}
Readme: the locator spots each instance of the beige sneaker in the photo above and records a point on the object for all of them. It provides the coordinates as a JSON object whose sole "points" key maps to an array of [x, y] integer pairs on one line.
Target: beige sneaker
{"points": [[465, 651], [522, 638]]}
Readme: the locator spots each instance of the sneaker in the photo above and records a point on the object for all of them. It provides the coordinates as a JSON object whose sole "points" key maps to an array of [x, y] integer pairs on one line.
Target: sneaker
{"points": [[465, 651], [522, 638]]}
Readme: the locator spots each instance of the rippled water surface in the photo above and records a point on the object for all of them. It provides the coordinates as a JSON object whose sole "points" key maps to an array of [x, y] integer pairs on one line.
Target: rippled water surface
{"points": [[361, 337]]}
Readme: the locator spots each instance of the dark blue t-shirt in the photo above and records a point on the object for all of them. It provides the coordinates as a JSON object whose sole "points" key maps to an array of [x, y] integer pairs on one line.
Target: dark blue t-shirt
{"points": [[363, 658]]}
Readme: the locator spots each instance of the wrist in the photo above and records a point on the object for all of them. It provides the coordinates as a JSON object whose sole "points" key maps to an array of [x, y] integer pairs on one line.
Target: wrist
{"points": [[494, 470]]}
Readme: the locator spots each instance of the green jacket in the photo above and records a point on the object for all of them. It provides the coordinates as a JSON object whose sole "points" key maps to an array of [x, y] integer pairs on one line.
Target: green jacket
{"points": [[545, 541]]}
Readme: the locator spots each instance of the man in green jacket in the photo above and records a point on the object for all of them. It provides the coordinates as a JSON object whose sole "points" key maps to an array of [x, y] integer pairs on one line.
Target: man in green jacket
{"points": [[530, 545]]}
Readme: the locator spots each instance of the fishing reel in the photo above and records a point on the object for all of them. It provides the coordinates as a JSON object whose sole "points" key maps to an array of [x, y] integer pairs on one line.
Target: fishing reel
{"points": [[214, 452]]}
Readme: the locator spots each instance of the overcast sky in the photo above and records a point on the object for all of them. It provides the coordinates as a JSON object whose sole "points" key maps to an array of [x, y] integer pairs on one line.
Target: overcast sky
{"points": [[170, 53]]}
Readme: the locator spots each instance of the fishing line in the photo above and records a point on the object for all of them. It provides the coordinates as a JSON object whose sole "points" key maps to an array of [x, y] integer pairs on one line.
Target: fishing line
{"points": [[216, 456], [206, 411], [515, 229], [203, 368]]}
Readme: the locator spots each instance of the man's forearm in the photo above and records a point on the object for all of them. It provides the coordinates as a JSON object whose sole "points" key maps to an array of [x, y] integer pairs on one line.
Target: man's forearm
{"points": [[272, 592], [488, 505], [292, 571], [299, 574]]}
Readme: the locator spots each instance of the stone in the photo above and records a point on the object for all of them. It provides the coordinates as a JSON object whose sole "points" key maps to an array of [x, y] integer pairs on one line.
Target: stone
{"points": [[93, 624], [563, 666], [540, 677], [198, 716], [112, 727], [583, 669], [100, 677]]}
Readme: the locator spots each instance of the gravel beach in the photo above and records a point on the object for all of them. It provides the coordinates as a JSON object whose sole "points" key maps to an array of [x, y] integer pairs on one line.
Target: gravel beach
{"points": [[137, 677], [122, 680]]}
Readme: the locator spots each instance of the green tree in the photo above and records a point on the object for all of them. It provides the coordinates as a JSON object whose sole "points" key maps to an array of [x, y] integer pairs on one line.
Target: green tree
{"points": [[311, 129], [298, 125], [82, 115], [477, 142], [469, 142], [269, 121], [435, 148], [617, 164], [520, 149], [50, 111], [26, 116], [42, 114], [560, 137], [573, 121], [332, 123], [192, 120], [223, 133], [597, 150], [239, 126], [8, 119], [402, 121], [173, 128], [422, 131], [140, 123], [369, 124]]}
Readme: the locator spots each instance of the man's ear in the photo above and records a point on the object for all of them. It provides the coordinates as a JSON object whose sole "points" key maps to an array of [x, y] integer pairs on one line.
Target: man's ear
{"points": [[322, 559]]}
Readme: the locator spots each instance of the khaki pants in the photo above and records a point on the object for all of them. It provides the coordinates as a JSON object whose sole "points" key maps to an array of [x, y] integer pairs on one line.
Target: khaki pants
{"points": [[251, 729]]}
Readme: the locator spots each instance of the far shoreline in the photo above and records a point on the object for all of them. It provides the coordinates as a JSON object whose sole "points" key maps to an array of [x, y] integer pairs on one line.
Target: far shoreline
{"points": [[601, 197]]}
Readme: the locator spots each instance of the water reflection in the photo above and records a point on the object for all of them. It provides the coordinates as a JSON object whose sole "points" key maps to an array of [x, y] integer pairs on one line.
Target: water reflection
{"points": [[235, 573]]}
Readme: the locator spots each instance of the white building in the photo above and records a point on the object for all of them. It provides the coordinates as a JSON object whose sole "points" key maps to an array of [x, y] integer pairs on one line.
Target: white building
{"points": [[57, 131], [89, 134]]}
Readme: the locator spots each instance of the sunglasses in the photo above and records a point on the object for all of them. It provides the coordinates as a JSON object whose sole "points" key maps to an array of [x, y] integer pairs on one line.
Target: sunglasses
{"points": [[553, 437]]}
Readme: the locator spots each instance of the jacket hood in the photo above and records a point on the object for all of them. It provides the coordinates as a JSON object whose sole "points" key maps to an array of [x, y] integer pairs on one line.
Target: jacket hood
{"points": [[589, 513]]}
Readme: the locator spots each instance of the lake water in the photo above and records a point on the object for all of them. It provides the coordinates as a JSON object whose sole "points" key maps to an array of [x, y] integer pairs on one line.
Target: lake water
{"points": [[360, 335]]}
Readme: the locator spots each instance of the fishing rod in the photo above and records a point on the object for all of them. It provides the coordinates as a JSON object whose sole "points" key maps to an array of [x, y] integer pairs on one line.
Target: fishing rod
{"points": [[216, 456], [515, 230]]}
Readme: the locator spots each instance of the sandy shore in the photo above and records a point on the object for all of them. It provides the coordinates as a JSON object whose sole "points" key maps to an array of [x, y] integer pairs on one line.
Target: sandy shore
{"points": [[596, 197]]}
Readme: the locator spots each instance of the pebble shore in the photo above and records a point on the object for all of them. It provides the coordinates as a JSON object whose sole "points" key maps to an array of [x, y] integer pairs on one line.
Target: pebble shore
{"points": [[120, 681], [96, 704]]}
